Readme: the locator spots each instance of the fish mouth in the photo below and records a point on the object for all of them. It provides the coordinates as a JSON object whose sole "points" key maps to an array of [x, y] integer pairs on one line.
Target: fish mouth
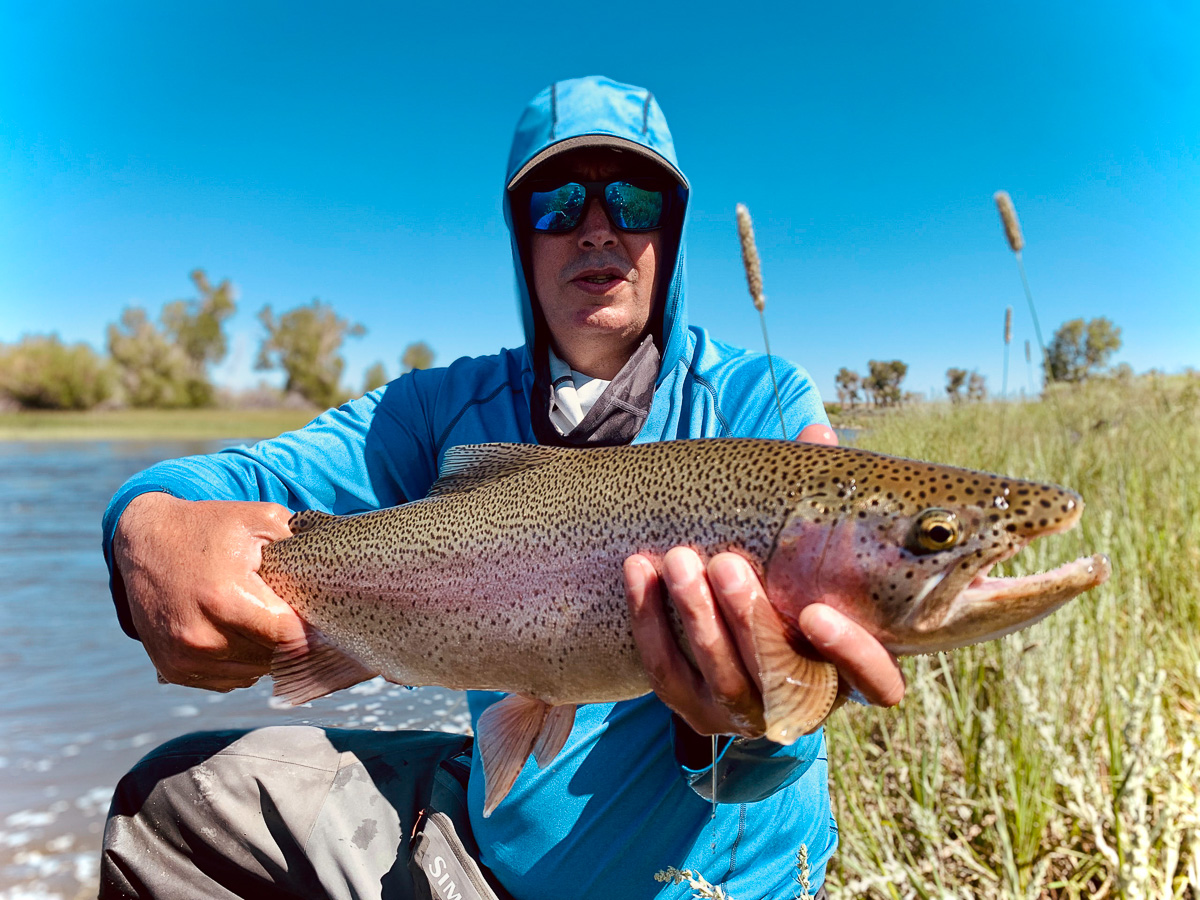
{"points": [[989, 607], [1076, 576]]}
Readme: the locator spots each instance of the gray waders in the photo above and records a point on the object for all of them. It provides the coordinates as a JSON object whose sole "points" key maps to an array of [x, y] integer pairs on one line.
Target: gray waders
{"points": [[296, 811]]}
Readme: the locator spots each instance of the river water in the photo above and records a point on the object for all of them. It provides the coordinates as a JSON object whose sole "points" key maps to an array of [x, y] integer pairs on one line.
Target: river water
{"points": [[79, 701]]}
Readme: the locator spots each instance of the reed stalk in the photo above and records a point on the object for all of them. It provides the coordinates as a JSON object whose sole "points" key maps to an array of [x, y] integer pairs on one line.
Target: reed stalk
{"points": [[1016, 241], [1007, 341], [754, 282]]}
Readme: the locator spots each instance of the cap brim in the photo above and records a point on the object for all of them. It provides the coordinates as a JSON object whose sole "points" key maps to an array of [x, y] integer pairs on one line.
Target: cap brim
{"points": [[595, 140]]}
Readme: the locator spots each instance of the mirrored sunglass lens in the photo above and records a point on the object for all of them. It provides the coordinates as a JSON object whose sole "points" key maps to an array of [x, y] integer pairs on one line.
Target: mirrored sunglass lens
{"points": [[557, 210], [634, 207]]}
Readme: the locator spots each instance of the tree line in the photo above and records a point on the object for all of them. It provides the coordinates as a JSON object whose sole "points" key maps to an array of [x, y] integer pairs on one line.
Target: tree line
{"points": [[167, 364], [1079, 350]]}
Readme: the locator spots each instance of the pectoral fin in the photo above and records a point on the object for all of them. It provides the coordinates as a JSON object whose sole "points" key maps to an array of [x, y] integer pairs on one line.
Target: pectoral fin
{"points": [[798, 691], [310, 667], [509, 731]]}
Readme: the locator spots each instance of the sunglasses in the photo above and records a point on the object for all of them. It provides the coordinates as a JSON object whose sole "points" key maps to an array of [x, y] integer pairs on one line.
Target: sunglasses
{"points": [[559, 208]]}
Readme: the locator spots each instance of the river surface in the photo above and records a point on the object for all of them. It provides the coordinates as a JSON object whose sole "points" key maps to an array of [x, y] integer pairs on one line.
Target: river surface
{"points": [[79, 701]]}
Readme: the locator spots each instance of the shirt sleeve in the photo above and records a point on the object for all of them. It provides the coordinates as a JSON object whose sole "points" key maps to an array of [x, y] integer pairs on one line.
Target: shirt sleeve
{"points": [[373, 452]]}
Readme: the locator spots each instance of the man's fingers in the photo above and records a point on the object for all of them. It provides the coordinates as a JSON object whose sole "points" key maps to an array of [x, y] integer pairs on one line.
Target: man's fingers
{"points": [[264, 618], [818, 434], [211, 676], [274, 524], [669, 673], [738, 591], [714, 650], [859, 657]]}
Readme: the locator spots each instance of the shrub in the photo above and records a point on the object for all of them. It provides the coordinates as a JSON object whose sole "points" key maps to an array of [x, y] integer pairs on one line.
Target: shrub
{"points": [[41, 372]]}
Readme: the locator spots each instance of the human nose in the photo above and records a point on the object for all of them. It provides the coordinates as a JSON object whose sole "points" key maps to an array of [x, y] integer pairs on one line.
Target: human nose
{"points": [[596, 230]]}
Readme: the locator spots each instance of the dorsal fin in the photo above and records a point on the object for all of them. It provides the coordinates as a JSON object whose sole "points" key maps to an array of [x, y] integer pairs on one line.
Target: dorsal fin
{"points": [[469, 466], [308, 519]]}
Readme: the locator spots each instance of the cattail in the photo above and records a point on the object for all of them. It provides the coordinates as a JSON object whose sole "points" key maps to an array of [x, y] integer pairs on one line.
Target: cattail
{"points": [[750, 257], [1008, 325], [1028, 358], [1008, 215], [754, 280]]}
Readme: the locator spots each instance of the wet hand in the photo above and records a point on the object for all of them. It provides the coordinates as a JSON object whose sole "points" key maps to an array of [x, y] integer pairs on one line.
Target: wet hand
{"points": [[190, 573], [716, 692], [863, 663]]}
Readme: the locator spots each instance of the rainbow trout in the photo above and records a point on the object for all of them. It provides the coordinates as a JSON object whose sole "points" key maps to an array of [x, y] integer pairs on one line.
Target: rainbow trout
{"points": [[508, 576]]}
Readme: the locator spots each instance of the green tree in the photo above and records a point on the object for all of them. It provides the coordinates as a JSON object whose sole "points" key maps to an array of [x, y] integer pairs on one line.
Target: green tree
{"points": [[976, 387], [41, 372], [1081, 349], [375, 377], [418, 355], [884, 380], [167, 364], [847, 381], [306, 343], [154, 371], [197, 326], [955, 379]]}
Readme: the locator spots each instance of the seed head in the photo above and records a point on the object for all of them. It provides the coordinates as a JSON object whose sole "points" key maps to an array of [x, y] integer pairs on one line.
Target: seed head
{"points": [[1008, 215], [1028, 358], [1008, 325], [750, 257]]}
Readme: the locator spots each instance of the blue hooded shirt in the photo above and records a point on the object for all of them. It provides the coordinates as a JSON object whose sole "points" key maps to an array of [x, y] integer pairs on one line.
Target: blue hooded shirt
{"points": [[615, 806]]}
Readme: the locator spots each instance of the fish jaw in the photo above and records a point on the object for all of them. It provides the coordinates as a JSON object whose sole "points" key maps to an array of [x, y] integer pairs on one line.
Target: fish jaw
{"points": [[989, 608]]}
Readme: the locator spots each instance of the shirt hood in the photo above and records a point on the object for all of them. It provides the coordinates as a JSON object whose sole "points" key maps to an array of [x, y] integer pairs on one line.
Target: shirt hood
{"points": [[588, 111]]}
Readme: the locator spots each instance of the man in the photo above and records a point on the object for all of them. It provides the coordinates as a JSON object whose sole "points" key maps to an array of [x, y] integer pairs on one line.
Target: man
{"points": [[596, 205]]}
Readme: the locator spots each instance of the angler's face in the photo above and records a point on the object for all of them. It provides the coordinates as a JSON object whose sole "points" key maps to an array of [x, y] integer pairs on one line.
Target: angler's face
{"points": [[596, 283]]}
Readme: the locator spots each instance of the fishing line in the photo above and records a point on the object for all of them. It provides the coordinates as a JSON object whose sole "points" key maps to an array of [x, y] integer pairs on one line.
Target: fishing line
{"points": [[713, 818]]}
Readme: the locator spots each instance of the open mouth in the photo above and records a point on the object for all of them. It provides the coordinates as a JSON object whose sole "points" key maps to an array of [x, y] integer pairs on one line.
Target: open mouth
{"points": [[954, 611], [1056, 585]]}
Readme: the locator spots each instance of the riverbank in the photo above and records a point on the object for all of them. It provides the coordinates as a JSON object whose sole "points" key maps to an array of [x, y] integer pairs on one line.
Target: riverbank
{"points": [[151, 424]]}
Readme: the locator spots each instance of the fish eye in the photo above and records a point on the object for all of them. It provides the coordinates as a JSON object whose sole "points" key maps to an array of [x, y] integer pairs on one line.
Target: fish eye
{"points": [[934, 530]]}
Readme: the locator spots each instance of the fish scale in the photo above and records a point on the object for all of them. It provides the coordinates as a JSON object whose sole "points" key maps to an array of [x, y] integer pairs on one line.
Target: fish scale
{"points": [[508, 577]]}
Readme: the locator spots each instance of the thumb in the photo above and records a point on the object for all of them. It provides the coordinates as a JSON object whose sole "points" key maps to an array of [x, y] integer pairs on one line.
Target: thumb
{"points": [[273, 521], [266, 618]]}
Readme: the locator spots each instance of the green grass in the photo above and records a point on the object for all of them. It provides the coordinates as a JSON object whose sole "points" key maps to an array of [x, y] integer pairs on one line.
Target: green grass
{"points": [[1063, 761], [144, 424]]}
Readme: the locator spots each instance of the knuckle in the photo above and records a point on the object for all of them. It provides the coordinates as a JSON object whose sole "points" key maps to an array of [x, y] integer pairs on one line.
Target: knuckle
{"points": [[708, 645], [202, 642], [894, 695], [730, 698]]}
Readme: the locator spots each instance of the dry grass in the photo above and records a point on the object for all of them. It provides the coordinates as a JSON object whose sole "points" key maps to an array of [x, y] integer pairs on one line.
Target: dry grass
{"points": [[146, 424]]}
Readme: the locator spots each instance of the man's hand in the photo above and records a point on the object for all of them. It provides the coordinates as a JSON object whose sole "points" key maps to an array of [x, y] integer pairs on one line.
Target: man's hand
{"points": [[720, 693], [190, 571]]}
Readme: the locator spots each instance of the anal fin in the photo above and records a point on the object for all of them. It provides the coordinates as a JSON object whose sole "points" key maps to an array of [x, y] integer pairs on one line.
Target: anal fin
{"points": [[798, 691], [508, 732], [555, 730], [310, 667]]}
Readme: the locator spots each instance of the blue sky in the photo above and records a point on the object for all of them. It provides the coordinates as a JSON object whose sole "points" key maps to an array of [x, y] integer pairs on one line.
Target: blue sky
{"points": [[355, 152]]}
